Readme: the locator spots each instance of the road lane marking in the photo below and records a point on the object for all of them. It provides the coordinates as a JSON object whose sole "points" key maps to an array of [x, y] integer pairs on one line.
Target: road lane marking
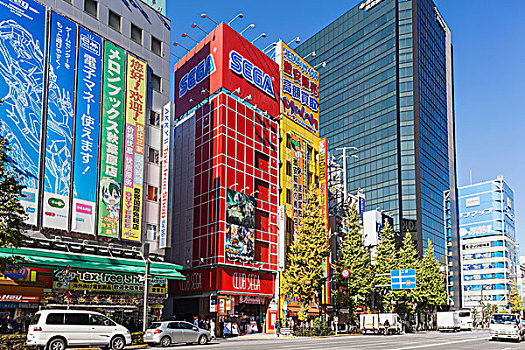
{"points": [[439, 344]]}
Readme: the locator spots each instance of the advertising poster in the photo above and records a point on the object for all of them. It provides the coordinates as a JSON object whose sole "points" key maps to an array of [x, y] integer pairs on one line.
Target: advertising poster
{"points": [[323, 203], [240, 243], [299, 88], [112, 139], [106, 282], [477, 215], [240, 209], [134, 149], [59, 136], [297, 154], [87, 124], [22, 52], [166, 132]]}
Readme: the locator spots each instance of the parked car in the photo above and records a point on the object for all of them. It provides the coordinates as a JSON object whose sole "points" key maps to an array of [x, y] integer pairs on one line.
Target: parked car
{"points": [[60, 329], [169, 332]]}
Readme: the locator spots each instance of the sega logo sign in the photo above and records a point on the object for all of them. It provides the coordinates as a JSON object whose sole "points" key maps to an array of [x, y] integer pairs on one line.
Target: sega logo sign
{"points": [[253, 74], [196, 75]]}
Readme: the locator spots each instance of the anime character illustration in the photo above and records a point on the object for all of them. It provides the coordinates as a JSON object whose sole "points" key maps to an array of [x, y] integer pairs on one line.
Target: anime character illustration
{"points": [[110, 194], [239, 243], [240, 209]]}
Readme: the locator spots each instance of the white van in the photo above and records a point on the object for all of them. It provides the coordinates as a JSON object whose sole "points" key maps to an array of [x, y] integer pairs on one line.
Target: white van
{"points": [[465, 320], [59, 329]]}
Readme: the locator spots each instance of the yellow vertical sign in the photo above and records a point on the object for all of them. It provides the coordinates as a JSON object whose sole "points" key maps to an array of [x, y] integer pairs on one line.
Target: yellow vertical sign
{"points": [[134, 149]]}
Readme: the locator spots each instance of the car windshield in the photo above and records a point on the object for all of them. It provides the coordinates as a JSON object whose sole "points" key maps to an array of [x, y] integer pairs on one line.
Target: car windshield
{"points": [[464, 314], [503, 319], [155, 325], [35, 319]]}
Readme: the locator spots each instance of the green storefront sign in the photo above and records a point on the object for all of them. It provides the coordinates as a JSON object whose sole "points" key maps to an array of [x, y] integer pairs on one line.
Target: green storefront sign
{"points": [[112, 139]]}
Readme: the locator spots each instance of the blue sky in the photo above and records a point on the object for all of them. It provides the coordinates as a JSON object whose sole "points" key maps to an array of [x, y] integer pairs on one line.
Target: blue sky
{"points": [[489, 67]]}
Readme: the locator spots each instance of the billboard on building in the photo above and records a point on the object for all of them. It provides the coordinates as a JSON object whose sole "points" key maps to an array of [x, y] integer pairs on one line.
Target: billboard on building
{"points": [[225, 59], [60, 114], [112, 139], [240, 243], [87, 125], [166, 132], [240, 209], [299, 88], [478, 215], [134, 149], [323, 203], [22, 52], [296, 149]]}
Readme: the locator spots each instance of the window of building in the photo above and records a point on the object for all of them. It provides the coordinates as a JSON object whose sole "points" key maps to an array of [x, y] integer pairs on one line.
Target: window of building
{"points": [[114, 21], [156, 46], [155, 82], [151, 232], [136, 34], [153, 193], [153, 155], [288, 196], [91, 7], [154, 118], [288, 168]]}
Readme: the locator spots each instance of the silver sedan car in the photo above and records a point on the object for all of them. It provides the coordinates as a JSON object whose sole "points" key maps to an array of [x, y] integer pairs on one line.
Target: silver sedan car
{"points": [[169, 332]]}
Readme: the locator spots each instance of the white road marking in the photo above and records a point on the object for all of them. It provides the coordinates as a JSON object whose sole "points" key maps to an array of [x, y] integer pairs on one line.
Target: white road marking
{"points": [[439, 344]]}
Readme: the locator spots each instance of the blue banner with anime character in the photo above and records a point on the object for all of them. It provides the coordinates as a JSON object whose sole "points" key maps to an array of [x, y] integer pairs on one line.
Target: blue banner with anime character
{"points": [[59, 136], [86, 132], [22, 52]]}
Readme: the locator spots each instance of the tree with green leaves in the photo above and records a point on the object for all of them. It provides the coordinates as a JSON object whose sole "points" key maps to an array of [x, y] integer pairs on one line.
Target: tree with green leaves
{"points": [[12, 213], [407, 299], [384, 261], [516, 304], [304, 274], [353, 257], [430, 282], [476, 317]]}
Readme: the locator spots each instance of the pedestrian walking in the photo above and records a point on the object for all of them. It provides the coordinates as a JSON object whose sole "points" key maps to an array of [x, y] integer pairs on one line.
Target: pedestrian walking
{"points": [[212, 328], [277, 326]]}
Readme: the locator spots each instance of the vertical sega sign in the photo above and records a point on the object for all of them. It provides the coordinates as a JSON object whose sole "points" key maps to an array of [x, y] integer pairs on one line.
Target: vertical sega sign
{"points": [[87, 124], [59, 136], [22, 52]]}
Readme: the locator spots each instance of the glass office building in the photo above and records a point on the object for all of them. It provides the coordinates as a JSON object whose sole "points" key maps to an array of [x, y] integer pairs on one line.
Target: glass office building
{"points": [[387, 89]]}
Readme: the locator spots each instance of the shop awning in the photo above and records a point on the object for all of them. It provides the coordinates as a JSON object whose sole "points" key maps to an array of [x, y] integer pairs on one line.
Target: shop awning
{"points": [[57, 259]]}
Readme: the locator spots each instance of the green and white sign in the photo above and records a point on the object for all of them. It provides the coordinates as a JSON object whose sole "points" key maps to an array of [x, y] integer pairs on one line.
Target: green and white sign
{"points": [[112, 139]]}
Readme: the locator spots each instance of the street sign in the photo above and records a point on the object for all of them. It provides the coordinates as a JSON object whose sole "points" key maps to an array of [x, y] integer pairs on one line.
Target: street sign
{"points": [[403, 279], [345, 273]]}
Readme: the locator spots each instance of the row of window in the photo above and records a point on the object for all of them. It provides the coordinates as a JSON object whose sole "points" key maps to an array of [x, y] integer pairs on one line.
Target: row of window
{"points": [[493, 265], [485, 287], [115, 20]]}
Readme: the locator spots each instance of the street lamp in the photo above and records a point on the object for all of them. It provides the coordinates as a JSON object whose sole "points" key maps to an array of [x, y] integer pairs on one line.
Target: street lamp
{"points": [[203, 15], [322, 65], [245, 29], [171, 53], [240, 15], [262, 35], [310, 54], [254, 192], [185, 35], [184, 47], [297, 41], [269, 47], [246, 188], [345, 181], [194, 25], [235, 184]]}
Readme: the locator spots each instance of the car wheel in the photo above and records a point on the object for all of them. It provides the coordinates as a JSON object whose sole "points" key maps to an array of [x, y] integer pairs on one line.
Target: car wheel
{"points": [[203, 340], [165, 341], [56, 344], [117, 343]]}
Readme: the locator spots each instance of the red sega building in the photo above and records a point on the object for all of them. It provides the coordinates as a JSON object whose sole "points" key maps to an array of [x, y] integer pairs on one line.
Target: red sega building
{"points": [[225, 176]]}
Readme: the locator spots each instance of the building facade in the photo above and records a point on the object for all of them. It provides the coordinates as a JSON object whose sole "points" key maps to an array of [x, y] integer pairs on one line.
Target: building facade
{"points": [[86, 137], [487, 246], [387, 89], [225, 181]]}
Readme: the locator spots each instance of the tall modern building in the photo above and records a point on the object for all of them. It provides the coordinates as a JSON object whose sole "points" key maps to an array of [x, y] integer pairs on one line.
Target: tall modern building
{"points": [[489, 262], [387, 89]]}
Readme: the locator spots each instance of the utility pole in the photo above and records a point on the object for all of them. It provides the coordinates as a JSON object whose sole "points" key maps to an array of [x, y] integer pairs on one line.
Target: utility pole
{"points": [[145, 256]]}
